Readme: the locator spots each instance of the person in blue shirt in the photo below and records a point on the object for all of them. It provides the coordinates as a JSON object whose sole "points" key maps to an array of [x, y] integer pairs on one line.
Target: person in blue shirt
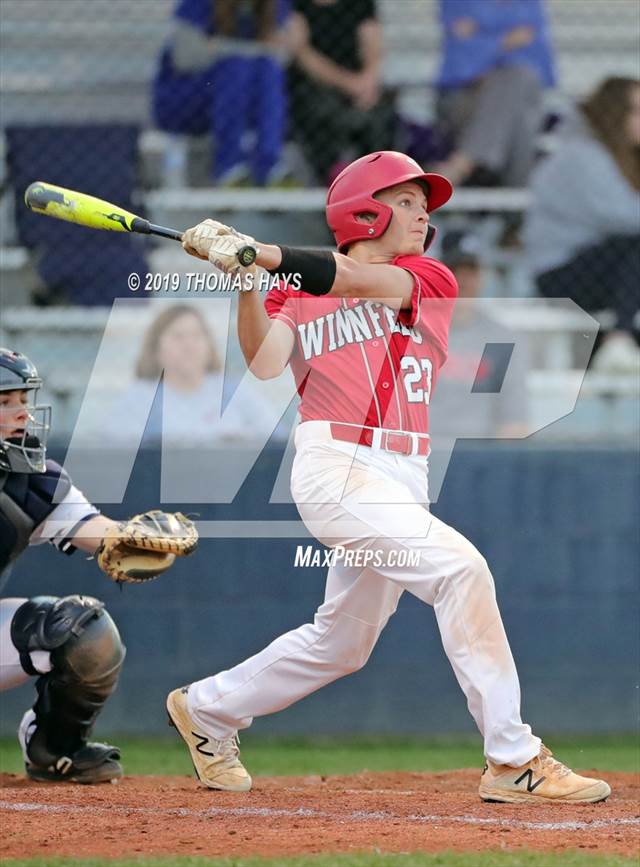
{"points": [[497, 60], [221, 72]]}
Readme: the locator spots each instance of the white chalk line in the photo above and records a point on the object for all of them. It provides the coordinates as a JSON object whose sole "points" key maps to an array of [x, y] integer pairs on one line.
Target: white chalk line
{"points": [[304, 812]]}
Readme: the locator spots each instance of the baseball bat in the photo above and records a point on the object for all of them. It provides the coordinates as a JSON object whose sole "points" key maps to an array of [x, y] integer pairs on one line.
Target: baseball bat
{"points": [[85, 210]]}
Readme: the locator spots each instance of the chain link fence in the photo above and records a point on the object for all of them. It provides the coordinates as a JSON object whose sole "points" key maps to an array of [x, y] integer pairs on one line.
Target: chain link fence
{"points": [[179, 109]]}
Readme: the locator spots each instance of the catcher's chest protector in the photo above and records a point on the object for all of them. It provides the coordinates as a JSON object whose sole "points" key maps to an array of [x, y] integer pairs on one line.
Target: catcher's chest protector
{"points": [[26, 500]]}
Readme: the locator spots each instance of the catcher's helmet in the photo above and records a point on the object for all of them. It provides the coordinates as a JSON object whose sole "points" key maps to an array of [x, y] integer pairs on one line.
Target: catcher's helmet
{"points": [[353, 191], [24, 453]]}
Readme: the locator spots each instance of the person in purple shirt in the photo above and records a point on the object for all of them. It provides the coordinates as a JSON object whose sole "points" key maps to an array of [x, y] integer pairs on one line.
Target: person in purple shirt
{"points": [[222, 71], [497, 60]]}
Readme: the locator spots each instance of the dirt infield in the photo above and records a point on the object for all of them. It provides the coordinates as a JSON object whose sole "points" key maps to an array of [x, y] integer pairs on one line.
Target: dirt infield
{"points": [[295, 815]]}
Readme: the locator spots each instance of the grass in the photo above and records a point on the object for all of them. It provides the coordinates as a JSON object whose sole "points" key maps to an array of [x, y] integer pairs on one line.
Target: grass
{"points": [[520, 858], [168, 756]]}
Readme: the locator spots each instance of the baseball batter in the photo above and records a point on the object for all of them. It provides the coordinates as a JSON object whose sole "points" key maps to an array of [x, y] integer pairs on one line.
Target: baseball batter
{"points": [[70, 644], [365, 338]]}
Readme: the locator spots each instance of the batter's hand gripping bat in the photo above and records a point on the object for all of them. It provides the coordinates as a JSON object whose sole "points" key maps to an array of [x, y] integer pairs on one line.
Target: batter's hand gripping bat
{"points": [[63, 204]]}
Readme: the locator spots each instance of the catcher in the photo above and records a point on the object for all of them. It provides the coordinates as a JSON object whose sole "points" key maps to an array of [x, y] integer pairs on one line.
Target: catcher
{"points": [[70, 644]]}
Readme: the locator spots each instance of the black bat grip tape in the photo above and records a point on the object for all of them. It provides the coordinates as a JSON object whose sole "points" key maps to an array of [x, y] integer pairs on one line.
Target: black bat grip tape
{"points": [[247, 255]]}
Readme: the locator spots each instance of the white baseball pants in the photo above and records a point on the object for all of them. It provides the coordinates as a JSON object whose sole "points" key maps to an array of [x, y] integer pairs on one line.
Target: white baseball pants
{"points": [[366, 499], [11, 672]]}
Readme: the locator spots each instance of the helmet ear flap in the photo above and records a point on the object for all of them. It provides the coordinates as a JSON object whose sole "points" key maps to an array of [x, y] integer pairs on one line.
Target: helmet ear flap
{"points": [[355, 229]]}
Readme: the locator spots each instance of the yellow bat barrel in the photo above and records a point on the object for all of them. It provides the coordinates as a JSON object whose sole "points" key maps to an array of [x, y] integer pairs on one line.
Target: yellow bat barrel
{"points": [[63, 204]]}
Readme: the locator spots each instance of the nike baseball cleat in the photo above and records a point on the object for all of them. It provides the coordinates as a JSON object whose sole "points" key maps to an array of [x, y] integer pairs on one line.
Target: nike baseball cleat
{"points": [[542, 779], [216, 763]]}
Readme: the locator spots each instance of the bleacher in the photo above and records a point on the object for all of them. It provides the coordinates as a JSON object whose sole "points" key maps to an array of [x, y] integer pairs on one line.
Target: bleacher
{"points": [[95, 64], [63, 65], [72, 61]]}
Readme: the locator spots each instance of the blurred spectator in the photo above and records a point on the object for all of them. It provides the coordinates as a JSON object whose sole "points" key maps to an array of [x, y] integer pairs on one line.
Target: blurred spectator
{"points": [[583, 230], [189, 403], [222, 73], [496, 61], [454, 414], [337, 98]]}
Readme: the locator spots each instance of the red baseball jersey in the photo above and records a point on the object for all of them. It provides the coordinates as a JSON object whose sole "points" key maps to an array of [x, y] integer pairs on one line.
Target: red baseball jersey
{"points": [[362, 362]]}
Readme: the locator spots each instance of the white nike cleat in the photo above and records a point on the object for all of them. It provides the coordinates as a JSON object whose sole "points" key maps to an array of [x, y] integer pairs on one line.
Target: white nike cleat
{"points": [[540, 780], [216, 763]]}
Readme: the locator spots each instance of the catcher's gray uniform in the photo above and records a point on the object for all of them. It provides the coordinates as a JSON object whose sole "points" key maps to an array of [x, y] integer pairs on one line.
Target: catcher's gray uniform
{"points": [[70, 644], [27, 499]]}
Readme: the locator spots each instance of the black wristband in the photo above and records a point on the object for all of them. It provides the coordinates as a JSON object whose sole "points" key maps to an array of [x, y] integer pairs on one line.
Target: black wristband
{"points": [[317, 268]]}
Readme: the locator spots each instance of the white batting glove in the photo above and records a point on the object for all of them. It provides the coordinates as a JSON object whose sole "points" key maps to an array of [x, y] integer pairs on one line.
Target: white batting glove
{"points": [[197, 240], [223, 253], [229, 230]]}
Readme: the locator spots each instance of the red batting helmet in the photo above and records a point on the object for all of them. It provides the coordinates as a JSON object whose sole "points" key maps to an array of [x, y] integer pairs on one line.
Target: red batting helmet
{"points": [[353, 191]]}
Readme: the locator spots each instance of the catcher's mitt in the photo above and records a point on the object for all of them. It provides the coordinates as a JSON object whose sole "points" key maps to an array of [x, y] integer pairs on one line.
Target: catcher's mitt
{"points": [[146, 545]]}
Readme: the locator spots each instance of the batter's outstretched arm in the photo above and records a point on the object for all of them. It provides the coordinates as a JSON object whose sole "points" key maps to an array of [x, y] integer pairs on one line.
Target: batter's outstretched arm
{"points": [[320, 272], [352, 279], [266, 343], [380, 281]]}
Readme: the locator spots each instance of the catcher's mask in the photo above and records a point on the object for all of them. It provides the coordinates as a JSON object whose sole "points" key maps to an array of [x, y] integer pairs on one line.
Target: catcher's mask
{"points": [[26, 451], [352, 193]]}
